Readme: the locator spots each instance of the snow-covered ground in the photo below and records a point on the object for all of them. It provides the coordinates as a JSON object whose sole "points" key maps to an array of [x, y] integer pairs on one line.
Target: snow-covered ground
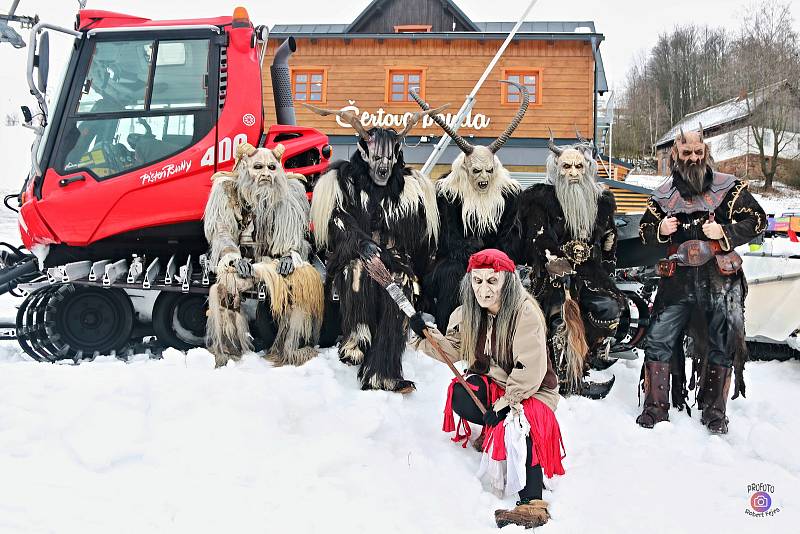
{"points": [[176, 446]]}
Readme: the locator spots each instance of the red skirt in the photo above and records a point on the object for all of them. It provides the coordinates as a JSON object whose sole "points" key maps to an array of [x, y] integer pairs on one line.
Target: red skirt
{"points": [[548, 446]]}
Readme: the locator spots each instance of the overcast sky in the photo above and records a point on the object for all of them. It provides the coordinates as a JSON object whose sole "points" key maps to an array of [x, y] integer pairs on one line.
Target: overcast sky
{"points": [[630, 26]]}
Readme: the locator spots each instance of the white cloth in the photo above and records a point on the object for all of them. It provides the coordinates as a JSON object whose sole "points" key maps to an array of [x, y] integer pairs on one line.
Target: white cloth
{"points": [[508, 476]]}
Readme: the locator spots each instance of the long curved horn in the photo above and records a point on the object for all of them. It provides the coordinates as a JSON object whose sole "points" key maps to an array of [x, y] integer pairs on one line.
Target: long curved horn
{"points": [[465, 147], [415, 117], [348, 116], [579, 137], [523, 107], [552, 144]]}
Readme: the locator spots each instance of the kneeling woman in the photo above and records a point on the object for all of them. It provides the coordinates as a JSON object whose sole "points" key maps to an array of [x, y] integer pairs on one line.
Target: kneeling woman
{"points": [[499, 331]]}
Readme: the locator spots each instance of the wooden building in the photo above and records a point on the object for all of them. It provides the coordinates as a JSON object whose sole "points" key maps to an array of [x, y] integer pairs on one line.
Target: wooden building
{"points": [[369, 65]]}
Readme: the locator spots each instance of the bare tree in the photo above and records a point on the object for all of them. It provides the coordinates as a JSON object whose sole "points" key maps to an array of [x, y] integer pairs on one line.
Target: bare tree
{"points": [[765, 64]]}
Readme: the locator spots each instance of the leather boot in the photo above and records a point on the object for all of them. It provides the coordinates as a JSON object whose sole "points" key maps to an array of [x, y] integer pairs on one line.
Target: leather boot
{"points": [[716, 387], [656, 394], [525, 514]]}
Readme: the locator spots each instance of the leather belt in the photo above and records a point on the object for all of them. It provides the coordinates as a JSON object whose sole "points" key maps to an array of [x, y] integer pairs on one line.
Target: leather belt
{"points": [[694, 252], [715, 247]]}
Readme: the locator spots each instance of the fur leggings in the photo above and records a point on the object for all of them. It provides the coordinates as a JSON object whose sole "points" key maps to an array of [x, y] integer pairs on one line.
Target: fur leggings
{"points": [[296, 303], [374, 330]]}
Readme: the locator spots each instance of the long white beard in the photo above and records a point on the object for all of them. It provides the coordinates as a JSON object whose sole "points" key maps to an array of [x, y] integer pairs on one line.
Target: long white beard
{"points": [[579, 204], [480, 212]]}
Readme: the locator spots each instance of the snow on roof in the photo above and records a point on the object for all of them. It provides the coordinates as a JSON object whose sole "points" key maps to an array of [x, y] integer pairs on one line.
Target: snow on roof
{"points": [[728, 111], [719, 114]]}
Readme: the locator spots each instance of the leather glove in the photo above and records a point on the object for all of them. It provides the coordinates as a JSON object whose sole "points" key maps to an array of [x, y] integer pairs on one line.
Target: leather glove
{"points": [[244, 268], [559, 267], [367, 249], [417, 324], [286, 266], [493, 418]]}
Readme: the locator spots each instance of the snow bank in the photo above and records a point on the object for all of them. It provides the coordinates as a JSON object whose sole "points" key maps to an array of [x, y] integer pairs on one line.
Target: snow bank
{"points": [[176, 446]]}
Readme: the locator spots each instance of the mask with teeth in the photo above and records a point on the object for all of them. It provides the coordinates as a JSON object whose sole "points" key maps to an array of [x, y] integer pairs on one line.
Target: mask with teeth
{"points": [[480, 167]]}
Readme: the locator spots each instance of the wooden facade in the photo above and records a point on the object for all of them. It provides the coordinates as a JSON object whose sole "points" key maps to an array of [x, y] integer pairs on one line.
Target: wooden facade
{"points": [[357, 73]]}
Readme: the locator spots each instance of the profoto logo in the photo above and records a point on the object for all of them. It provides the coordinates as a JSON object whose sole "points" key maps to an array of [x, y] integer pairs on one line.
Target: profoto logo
{"points": [[761, 500]]}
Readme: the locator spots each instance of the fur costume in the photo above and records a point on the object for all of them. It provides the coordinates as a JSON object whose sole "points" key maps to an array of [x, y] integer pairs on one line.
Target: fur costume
{"points": [[374, 204], [256, 222], [477, 205], [708, 303], [570, 220]]}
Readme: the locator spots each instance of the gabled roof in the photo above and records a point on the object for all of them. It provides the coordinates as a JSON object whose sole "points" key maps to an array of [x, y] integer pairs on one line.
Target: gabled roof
{"points": [[448, 5], [720, 114]]}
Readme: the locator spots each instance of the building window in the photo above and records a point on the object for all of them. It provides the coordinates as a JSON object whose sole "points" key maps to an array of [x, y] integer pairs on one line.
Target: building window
{"points": [[530, 78], [401, 81], [413, 28], [309, 85]]}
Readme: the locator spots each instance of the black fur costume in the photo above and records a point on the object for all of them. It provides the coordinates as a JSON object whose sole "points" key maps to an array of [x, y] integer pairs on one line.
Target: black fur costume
{"points": [[541, 226], [456, 245], [350, 211], [742, 220]]}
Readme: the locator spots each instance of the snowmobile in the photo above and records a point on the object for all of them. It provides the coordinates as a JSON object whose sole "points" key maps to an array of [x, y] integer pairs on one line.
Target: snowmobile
{"points": [[110, 214]]}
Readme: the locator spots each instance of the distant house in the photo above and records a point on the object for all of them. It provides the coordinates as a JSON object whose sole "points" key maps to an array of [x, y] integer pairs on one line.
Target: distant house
{"points": [[369, 64], [726, 130]]}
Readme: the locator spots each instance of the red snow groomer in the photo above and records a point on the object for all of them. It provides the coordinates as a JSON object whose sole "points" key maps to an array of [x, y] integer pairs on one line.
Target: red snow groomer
{"points": [[146, 112]]}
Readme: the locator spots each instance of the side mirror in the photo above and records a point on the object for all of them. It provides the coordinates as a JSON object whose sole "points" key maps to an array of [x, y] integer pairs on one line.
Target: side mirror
{"points": [[43, 61]]}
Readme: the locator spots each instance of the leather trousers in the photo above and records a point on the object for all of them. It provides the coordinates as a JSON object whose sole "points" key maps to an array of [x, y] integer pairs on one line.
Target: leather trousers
{"points": [[668, 326]]}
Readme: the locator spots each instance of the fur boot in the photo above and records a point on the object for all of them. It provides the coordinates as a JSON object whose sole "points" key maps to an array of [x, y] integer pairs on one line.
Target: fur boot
{"points": [[656, 394], [715, 397], [526, 514], [228, 332]]}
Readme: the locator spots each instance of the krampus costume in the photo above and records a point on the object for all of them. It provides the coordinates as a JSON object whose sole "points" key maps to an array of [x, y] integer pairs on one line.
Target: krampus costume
{"points": [[256, 222], [476, 202], [702, 215], [565, 232], [374, 204], [500, 332]]}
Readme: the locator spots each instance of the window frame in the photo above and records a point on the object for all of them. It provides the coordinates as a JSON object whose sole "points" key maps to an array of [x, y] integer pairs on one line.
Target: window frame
{"points": [[413, 28], [397, 69], [209, 111], [521, 71], [310, 70]]}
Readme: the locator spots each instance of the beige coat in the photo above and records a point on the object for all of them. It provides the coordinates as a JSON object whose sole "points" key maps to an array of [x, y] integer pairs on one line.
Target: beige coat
{"points": [[529, 353]]}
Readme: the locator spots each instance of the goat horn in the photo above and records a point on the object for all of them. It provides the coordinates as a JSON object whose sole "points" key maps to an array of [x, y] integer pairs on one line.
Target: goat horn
{"points": [[346, 115], [702, 139], [683, 135], [552, 144], [415, 117], [523, 107], [465, 147]]}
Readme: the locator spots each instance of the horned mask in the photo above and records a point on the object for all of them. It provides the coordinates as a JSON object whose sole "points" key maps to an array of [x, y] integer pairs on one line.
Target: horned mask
{"points": [[262, 165], [572, 172], [480, 162], [379, 147]]}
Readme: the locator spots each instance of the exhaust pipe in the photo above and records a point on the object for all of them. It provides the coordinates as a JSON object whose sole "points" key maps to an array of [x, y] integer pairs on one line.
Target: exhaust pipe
{"points": [[282, 83]]}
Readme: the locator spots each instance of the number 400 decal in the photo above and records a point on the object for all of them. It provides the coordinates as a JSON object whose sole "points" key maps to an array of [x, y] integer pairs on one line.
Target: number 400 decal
{"points": [[227, 149]]}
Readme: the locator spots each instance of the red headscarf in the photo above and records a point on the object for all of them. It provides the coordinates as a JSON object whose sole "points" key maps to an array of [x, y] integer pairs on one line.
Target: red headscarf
{"points": [[491, 258]]}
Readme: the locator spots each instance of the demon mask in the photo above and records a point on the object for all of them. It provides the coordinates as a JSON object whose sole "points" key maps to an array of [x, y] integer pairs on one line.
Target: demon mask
{"points": [[572, 171], [480, 162], [378, 147]]}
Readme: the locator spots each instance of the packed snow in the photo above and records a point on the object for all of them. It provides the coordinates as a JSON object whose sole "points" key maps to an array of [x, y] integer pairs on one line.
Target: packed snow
{"points": [[174, 445]]}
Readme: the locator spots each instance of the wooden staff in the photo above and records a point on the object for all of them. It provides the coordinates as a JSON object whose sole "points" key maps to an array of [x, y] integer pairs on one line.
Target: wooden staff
{"points": [[378, 272]]}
